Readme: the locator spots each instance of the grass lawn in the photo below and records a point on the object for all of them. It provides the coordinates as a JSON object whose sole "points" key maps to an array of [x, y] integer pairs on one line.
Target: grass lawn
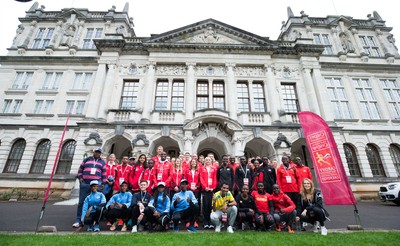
{"points": [[204, 238]]}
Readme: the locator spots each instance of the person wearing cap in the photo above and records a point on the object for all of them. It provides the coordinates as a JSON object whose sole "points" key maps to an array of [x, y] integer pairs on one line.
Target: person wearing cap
{"points": [[118, 207], [91, 168], [92, 208], [140, 201], [185, 207], [159, 208]]}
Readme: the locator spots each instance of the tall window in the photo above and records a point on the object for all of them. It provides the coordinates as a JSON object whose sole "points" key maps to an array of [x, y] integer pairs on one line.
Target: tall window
{"points": [[41, 155], [289, 95], [392, 94], [202, 95], [258, 97], [66, 157], [178, 91], [43, 37], [91, 33], [74, 107], [368, 102], [338, 98], [243, 97], [161, 95], [395, 154], [352, 161], [129, 94], [324, 40], [43, 106], [370, 46], [22, 80], [82, 81], [374, 160], [15, 156], [52, 81], [11, 106], [218, 93]]}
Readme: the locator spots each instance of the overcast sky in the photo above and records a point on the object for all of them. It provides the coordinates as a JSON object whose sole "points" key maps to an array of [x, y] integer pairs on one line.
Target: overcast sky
{"points": [[261, 17]]}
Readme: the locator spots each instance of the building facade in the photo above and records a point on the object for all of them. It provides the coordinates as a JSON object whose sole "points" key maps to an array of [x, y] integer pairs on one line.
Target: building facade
{"points": [[205, 87]]}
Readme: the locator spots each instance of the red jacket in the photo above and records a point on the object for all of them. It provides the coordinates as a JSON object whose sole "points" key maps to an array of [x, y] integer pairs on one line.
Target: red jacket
{"points": [[258, 176], [111, 170], [148, 175], [287, 178], [302, 173], [282, 201], [193, 178], [176, 177], [134, 178], [204, 177], [261, 201], [162, 172], [123, 173], [185, 165]]}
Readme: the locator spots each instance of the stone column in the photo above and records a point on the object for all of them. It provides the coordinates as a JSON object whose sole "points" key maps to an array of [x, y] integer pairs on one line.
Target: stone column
{"points": [[322, 96], [96, 92], [231, 91], [273, 97], [190, 90], [57, 33], [358, 43], [29, 36], [149, 91], [310, 91], [107, 93]]}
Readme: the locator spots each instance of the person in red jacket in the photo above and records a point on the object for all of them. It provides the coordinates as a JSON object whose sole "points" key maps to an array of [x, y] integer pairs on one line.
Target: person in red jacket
{"points": [[162, 172], [177, 175], [148, 175], [302, 171], [186, 162], [257, 174], [157, 157], [284, 209], [137, 171], [264, 207], [208, 180], [111, 170], [123, 172], [287, 179], [192, 175]]}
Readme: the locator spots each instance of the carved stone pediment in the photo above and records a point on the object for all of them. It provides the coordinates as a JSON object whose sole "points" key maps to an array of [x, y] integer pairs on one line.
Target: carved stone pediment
{"points": [[93, 139]]}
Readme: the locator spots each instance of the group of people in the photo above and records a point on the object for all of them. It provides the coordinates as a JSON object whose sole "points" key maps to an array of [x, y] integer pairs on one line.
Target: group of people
{"points": [[159, 193]]}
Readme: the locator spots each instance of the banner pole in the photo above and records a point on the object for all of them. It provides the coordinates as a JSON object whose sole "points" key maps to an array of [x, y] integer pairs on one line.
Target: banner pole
{"points": [[46, 195]]}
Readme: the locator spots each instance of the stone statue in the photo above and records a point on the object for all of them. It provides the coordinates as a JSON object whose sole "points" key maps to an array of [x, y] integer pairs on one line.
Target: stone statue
{"points": [[346, 43], [19, 30], [120, 29], [391, 40], [68, 36]]}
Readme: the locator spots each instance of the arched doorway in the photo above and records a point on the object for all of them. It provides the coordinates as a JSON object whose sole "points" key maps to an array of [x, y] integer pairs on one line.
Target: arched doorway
{"points": [[171, 147], [212, 145], [259, 147], [118, 145]]}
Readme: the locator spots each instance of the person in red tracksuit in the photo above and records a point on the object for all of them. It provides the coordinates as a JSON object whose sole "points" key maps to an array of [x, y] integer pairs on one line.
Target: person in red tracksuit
{"points": [[208, 179], [284, 209], [177, 175], [186, 161], [192, 175], [162, 172], [137, 171], [257, 174], [111, 170], [157, 157], [302, 171], [123, 172], [287, 179], [148, 175]]}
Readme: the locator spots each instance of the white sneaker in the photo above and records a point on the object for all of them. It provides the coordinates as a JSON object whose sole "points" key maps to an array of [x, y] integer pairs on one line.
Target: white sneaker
{"points": [[218, 228], [315, 229], [230, 229], [134, 228], [75, 225], [324, 231]]}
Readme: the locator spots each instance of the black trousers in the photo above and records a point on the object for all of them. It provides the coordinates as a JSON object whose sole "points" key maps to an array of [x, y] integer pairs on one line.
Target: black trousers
{"points": [[314, 214], [289, 218], [162, 220], [121, 213], [94, 218], [135, 213], [244, 217], [207, 206], [188, 214], [267, 222]]}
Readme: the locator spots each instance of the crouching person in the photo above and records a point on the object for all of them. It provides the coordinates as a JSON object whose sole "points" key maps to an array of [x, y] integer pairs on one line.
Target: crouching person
{"points": [[140, 202], [264, 208], [224, 209], [118, 207], [158, 210], [185, 206], [92, 208], [284, 209]]}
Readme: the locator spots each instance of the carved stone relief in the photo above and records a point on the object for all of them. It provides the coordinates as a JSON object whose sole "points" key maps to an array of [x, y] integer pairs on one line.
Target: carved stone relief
{"points": [[93, 139], [171, 70], [250, 71], [210, 71], [209, 36], [132, 69], [285, 71]]}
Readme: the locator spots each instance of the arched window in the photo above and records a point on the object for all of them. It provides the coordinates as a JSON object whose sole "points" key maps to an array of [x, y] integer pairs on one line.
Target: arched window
{"points": [[374, 160], [15, 156], [352, 161], [66, 157], [41, 155], [395, 154]]}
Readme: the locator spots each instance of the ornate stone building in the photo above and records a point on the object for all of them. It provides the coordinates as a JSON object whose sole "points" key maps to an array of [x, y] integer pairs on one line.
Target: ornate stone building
{"points": [[205, 87]]}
